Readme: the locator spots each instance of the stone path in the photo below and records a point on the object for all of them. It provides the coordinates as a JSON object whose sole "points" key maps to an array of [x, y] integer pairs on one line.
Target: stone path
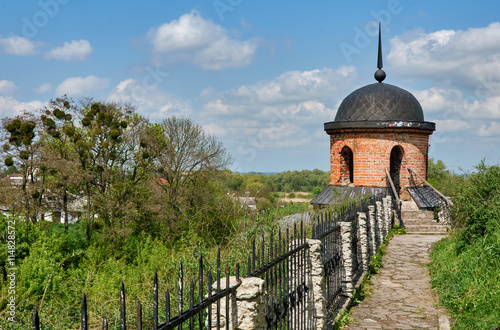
{"points": [[402, 297]]}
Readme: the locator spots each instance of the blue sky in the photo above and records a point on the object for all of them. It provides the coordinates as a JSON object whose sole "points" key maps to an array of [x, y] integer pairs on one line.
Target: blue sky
{"points": [[263, 76]]}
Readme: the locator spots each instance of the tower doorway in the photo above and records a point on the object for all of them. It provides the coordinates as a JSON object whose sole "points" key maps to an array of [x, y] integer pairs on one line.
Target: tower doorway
{"points": [[346, 166], [395, 167]]}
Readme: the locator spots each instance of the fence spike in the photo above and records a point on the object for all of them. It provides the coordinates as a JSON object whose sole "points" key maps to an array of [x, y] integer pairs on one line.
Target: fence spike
{"points": [[191, 303], [218, 287], [181, 280], [263, 255], [227, 297], [104, 323], [155, 301], [238, 272], [123, 319], [253, 254], [139, 315], [84, 313], [36, 320], [200, 288], [167, 307], [209, 312]]}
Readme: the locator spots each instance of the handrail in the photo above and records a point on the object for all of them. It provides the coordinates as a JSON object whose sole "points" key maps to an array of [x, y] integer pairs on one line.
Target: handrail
{"points": [[392, 185], [432, 187]]}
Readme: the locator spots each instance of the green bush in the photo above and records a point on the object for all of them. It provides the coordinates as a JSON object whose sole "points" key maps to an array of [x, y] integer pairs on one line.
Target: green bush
{"points": [[477, 207], [465, 266]]}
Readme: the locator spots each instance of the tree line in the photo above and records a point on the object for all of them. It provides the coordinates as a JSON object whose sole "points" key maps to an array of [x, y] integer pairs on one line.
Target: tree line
{"points": [[126, 174]]}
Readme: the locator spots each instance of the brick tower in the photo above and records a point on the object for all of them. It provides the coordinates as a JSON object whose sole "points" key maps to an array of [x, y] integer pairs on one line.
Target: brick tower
{"points": [[377, 127]]}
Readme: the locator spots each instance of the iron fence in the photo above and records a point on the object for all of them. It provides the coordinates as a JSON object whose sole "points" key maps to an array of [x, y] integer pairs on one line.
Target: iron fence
{"points": [[280, 260], [283, 267], [194, 317], [327, 229]]}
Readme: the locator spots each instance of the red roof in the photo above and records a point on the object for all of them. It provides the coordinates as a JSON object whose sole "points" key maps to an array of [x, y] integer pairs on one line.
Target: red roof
{"points": [[162, 181]]}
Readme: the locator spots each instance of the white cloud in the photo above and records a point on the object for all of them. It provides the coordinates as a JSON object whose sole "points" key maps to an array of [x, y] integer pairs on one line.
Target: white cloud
{"points": [[452, 125], [43, 88], [10, 107], [469, 58], [493, 129], [439, 99], [80, 85], [16, 45], [294, 87], [284, 112], [150, 100], [196, 40], [215, 129], [7, 87], [70, 51]]}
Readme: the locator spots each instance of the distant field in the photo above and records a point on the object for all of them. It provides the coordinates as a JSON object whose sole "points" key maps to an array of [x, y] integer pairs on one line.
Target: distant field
{"points": [[297, 197]]}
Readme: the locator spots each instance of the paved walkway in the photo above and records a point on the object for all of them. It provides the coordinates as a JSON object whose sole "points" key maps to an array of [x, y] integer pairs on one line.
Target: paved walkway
{"points": [[402, 297]]}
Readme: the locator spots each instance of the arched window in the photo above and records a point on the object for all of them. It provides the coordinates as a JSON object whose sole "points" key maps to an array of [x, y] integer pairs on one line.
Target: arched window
{"points": [[346, 166], [395, 166]]}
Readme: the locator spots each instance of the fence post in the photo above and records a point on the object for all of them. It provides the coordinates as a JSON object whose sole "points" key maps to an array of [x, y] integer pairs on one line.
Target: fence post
{"points": [[389, 211], [373, 230], [387, 224], [380, 223], [363, 240], [316, 302], [345, 232], [247, 307]]}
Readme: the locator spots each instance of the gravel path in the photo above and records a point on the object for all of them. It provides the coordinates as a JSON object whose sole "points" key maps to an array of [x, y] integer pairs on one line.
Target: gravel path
{"points": [[402, 297]]}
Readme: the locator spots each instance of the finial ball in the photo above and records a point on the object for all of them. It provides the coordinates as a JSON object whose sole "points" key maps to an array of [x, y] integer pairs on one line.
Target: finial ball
{"points": [[380, 75]]}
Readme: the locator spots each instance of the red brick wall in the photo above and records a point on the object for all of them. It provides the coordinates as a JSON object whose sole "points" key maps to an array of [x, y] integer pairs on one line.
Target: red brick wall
{"points": [[371, 150]]}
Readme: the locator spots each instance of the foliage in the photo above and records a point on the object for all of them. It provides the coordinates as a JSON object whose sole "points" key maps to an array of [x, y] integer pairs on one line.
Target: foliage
{"points": [[464, 267], [441, 178], [152, 195], [477, 207], [305, 180]]}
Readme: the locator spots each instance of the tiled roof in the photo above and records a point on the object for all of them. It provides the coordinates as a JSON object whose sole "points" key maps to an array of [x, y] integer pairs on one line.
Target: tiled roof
{"points": [[425, 197], [335, 194]]}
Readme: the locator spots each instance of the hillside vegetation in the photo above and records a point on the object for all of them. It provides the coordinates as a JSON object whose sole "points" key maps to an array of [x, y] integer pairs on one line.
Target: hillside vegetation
{"points": [[149, 196], [465, 267]]}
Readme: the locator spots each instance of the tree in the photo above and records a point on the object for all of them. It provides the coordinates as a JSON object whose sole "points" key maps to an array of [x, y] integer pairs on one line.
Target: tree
{"points": [[113, 156], [189, 162], [436, 171], [21, 148], [60, 156]]}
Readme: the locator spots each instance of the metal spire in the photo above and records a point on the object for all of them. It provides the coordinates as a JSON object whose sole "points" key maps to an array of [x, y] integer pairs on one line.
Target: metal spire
{"points": [[379, 62], [379, 74]]}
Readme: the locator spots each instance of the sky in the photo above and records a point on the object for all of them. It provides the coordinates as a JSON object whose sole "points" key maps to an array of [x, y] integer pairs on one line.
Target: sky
{"points": [[262, 76]]}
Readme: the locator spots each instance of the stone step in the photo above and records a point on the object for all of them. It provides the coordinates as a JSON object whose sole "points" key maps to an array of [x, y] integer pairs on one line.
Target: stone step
{"points": [[425, 229], [421, 222], [417, 214]]}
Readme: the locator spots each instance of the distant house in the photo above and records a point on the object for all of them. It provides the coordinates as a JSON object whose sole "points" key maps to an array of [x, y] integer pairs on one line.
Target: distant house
{"points": [[162, 181], [248, 201], [15, 179], [244, 201], [51, 202]]}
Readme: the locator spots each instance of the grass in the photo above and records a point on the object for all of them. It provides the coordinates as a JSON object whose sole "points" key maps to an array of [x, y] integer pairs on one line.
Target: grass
{"points": [[468, 283]]}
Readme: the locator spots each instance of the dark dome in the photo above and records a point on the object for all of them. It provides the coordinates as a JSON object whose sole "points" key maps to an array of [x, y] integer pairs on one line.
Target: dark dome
{"points": [[380, 102]]}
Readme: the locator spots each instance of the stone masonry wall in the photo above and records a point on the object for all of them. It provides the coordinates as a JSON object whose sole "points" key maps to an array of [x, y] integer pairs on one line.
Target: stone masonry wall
{"points": [[371, 150]]}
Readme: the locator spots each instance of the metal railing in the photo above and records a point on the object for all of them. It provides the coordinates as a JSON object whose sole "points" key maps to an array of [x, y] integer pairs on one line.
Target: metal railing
{"points": [[283, 267], [396, 201], [196, 314], [280, 260]]}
